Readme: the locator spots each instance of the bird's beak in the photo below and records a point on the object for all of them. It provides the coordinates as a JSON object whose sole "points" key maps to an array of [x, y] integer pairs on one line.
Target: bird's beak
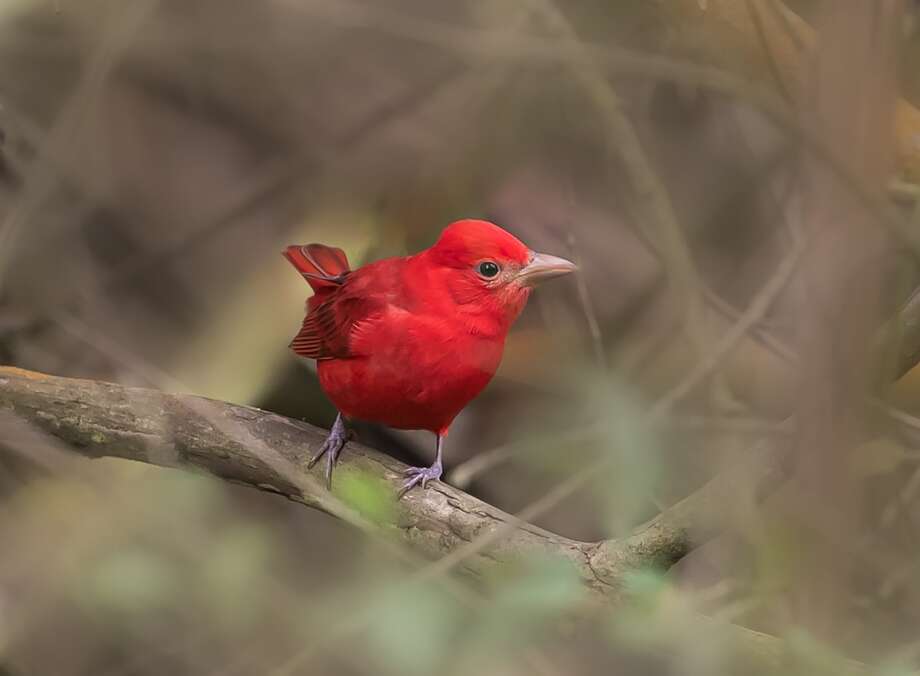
{"points": [[543, 266]]}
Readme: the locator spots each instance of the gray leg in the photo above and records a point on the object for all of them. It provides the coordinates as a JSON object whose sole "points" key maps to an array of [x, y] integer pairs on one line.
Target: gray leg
{"points": [[335, 442], [422, 475]]}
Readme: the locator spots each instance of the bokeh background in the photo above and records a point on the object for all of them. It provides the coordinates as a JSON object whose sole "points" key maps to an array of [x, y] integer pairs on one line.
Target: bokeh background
{"points": [[158, 155]]}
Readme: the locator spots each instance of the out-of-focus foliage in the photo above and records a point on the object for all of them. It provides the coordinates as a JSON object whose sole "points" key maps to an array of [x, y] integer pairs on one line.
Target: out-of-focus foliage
{"points": [[367, 494]]}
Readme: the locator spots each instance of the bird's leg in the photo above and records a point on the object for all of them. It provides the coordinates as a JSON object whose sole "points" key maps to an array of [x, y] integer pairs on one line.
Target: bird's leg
{"points": [[335, 442], [422, 475]]}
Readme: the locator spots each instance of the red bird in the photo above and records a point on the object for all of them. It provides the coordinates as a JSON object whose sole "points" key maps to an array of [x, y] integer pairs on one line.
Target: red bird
{"points": [[408, 342]]}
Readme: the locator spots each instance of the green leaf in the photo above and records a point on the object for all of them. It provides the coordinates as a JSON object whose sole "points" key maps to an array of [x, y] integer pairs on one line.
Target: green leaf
{"points": [[641, 622], [631, 444], [547, 587], [369, 495], [529, 595], [646, 585]]}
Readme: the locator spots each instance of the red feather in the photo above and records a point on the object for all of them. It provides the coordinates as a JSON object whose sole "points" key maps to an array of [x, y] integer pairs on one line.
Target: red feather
{"points": [[322, 266], [408, 342]]}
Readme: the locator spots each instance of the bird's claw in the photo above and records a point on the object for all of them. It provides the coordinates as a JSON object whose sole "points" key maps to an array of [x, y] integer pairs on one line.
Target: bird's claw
{"points": [[420, 475], [332, 446]]}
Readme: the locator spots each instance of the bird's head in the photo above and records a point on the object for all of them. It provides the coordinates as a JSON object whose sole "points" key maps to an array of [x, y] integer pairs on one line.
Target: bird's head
{"points": [[490, 271]]}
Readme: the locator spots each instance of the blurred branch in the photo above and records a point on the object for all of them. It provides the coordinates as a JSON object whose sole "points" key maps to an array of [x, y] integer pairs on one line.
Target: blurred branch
{"points": [[39, 179], [756, 312], [584, 297], [463, 474], [715, 48], [906, 324], [699, 517], [773, 65], [669, 238], [314, 168], [239, 443]]}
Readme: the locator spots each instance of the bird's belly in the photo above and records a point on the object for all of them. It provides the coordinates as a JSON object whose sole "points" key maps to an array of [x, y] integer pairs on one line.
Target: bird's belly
{"points": [[409, 389]]}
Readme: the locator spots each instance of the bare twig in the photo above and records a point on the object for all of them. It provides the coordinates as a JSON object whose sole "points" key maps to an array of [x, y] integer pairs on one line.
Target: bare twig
{"points": [[748, 319], [907, 322], [584, 296], [772, 63], [649, 189]]}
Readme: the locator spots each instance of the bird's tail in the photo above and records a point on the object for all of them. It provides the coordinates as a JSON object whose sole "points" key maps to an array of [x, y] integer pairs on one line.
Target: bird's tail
{"points": [[322, 266]]}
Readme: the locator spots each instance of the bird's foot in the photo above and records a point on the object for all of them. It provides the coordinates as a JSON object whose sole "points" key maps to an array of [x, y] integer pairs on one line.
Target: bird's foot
{"points": [[421, 475], [335, 442]]}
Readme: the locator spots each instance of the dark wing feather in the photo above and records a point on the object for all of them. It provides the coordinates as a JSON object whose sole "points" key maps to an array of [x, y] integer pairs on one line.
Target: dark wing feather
{"points": [[343, 318], [338, 316]]}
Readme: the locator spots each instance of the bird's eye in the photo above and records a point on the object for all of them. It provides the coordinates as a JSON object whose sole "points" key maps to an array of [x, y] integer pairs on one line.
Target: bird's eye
{"points": [[488, 269]]}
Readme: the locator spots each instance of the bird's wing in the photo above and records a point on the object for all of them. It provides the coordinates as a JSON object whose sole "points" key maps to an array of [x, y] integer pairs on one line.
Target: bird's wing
{"points": [[328, 331], [341, 321]]}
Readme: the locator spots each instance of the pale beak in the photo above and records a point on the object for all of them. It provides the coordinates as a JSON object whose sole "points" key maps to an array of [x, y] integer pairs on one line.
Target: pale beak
{"points": [[543, 266]]}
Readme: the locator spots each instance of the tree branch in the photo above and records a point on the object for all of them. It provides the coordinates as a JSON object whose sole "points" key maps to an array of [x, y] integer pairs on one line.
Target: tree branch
{"points": [[174, 430]]}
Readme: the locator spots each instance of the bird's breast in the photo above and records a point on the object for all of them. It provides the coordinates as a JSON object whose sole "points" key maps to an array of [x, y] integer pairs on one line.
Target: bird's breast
{"points": [[420, 378]]}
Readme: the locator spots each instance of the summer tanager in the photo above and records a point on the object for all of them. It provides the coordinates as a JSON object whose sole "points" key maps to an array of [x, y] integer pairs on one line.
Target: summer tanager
{"points": [[408, 342]]}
